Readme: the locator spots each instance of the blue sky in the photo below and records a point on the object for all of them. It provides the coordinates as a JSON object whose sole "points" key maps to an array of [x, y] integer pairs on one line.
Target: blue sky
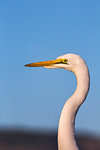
{"points": [[35, 30]]}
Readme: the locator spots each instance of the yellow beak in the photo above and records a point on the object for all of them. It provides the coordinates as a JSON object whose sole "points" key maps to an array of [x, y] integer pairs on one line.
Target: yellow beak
{"points": [[47, 63]]}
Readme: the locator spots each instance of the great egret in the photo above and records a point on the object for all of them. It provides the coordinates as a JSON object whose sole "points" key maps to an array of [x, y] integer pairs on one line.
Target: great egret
{"points": [[74, 63]]}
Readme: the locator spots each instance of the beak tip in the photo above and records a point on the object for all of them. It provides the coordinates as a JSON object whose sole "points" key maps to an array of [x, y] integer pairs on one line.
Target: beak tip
{"points": [[26, 65]]}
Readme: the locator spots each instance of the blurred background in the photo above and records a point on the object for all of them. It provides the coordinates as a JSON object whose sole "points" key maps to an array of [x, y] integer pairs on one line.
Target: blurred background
{"points": [[31, 99]]}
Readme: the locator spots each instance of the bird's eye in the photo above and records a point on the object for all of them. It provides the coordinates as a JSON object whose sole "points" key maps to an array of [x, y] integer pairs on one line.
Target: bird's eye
{"points": [[65, 60], [62, 61]]}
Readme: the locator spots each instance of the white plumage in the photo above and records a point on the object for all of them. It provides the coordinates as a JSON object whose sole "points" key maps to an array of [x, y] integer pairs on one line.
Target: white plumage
{"points": [[74, 63]]}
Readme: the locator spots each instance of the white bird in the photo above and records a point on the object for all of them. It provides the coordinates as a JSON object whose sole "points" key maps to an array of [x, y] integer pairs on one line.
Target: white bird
{"points": [[74, 63]]}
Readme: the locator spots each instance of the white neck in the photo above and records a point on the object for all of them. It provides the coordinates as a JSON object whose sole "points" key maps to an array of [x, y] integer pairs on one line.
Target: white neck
{"points": [[66, 139]]}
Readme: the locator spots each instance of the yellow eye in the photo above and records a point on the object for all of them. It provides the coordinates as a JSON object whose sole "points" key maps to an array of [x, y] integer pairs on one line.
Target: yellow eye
{"points": [[65, 60], [62, 61]]}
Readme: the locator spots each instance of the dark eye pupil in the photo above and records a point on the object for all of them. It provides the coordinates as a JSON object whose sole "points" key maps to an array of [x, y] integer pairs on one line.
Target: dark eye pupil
{"points": [[65, 60]]}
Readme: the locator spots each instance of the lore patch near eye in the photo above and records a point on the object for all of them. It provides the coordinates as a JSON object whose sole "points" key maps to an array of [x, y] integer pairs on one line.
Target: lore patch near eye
{"points": [[62, 61]]}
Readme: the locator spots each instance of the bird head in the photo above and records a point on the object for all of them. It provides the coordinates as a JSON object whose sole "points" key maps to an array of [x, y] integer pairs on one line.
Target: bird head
{"points": [[67, 61]]}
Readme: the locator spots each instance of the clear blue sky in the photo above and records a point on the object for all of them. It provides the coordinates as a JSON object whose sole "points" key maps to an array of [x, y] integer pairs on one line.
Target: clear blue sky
{"points": [[37, 30]]}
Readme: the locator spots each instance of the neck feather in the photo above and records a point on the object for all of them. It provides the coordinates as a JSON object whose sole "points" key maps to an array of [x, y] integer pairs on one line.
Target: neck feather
{"points": [[66, 139]]}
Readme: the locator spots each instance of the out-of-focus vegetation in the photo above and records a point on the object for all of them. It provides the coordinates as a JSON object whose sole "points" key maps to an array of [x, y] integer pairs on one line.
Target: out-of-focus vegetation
{"points": [[18, 140]]}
